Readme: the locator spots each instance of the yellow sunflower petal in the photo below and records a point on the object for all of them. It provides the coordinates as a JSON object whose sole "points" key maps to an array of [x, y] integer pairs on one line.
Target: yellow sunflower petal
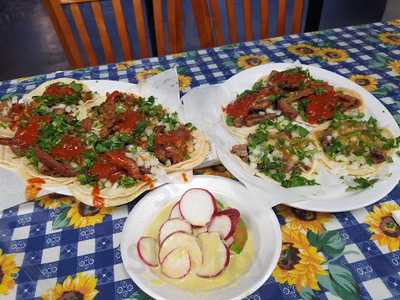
{"points": [[366, 81], [248, 61], [143, 75], [333, 54], [303, 50], [390, 38], [395, 66]]}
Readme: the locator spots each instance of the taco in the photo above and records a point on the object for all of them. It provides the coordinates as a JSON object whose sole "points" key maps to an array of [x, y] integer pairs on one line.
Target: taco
{"points": [[280, 150], [112, 155], [293, 93], [355, 145]]}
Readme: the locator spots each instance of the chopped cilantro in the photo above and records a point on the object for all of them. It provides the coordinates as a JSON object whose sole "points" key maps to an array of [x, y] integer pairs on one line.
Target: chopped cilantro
{"points": [[77, 87], [319, 91], [126, 181], [120, 108], [362, 183], [229, 120], [171, 120], [150, 142]]}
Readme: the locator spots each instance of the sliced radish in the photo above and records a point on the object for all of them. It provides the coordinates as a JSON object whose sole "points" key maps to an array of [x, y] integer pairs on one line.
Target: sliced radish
{"points": [[176, 264], [173, 225], [181, 240], [225, 223], [175, 212], [221, 224], [229, 241], [147, 250], [215, 255], [232, 213], [197, 206]]}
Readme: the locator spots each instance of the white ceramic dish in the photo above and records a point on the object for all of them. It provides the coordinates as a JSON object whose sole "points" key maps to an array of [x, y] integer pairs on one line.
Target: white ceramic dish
{"points": [[261, 222], [203, 108]]}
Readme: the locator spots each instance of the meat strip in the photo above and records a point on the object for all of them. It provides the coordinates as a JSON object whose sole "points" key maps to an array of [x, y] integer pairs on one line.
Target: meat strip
{"points": [[377, 156], [252, 120], [293, 97], [86, 124], [241, 151], [6, 141], [119, 159], [261, 105], [287, 110], [347, 102], [56, 167]]}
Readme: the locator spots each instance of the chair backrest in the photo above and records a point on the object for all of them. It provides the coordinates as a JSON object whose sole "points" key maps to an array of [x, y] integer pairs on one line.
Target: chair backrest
{"points": [[284, 12], [213, 18], [69, 22]]}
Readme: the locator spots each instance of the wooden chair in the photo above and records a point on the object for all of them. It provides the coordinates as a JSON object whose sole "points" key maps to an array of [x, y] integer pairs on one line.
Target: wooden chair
{"points": [[209, 22], [57, 11]]}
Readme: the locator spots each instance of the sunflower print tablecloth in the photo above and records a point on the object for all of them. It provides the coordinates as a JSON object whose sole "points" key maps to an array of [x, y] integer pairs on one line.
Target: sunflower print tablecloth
{"points": [[57, 248]]}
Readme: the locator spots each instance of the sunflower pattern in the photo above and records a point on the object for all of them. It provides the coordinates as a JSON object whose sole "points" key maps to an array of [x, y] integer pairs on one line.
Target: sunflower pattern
{"points": [[332, 55], [248, 61], [8, 270], [82, 287], [395, 22], [383, 227], [298, 219], [395, 66], [390, 38], [143, 75], [303, 50], [366, 81], [53, 201], [82, 215], [300, 263]]}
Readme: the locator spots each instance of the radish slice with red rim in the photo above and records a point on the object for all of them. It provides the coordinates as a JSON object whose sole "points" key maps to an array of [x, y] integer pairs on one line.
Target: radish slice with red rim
{"points": [[216, 255], [197, 206], [176, 264], [147, 251], [175, 212], [221, 224], [173, 225]]}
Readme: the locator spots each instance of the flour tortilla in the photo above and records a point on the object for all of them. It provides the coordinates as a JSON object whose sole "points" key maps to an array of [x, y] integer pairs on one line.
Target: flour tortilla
{"points": [[82, 113], [84, 194], [348, 167], [196, 157]]}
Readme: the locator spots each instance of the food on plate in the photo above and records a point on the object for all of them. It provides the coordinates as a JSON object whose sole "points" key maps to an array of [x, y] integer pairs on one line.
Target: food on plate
{"points": [[106, 150], [281, 150], [198, 251], [293, 93], [356, 145]]}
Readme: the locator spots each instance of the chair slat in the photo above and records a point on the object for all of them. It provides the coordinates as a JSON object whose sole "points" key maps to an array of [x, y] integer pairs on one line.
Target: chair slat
{"points": [[297, 13], [179, 25], [67, 32], [203, 23], [121, 27], [104, 37], [217, 23], [59, 32], [230, 10], [158, 26], [175, 34], [247, 20], [83, 34], [141, 28], [281, 17], [75, 1], [264, 21]]}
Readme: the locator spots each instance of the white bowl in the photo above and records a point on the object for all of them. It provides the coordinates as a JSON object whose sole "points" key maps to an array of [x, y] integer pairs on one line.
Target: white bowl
{"points": [[261, 222]]}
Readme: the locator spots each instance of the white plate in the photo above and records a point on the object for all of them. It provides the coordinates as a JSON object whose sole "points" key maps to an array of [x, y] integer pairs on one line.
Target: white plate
{"points": [[261, 222], [202, 106]]}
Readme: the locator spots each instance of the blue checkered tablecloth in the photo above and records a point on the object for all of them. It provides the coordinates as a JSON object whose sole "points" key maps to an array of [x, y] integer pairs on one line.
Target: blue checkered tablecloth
{"points": [[49, 247]]}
